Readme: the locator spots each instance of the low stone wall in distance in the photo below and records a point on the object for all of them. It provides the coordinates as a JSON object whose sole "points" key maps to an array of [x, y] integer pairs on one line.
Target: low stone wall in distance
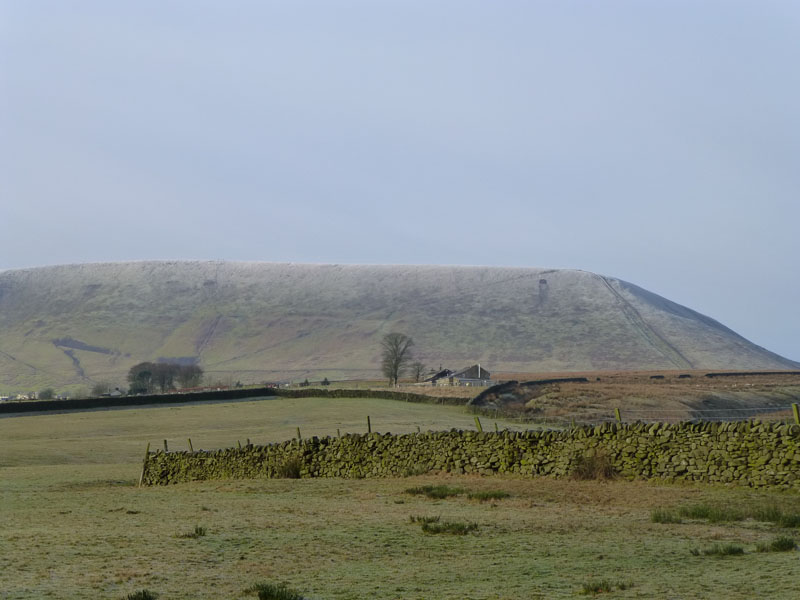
{"points": [[749, 453], [216, 395]]}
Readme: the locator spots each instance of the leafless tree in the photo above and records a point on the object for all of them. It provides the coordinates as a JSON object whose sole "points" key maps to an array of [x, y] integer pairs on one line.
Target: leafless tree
{"points": [[395, 355], [417, 370], [100, 388], [189, 376]]}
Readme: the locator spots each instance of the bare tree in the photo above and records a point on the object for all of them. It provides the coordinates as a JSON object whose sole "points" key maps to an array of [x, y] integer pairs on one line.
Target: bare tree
{"points": [[395, 355], [189, 375], [100, 388], [417, 370]]}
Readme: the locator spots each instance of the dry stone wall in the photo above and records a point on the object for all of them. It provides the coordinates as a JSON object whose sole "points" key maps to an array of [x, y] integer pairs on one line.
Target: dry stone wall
{"points": [[749, 453]]}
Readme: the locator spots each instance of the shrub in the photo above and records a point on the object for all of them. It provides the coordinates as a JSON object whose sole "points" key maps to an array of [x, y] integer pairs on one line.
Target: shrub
{"points": [[290, 468], [597, 466], [451, 527], [198, 532], [488, 495], [438, 492], [272, 591], [779, 544], [662, 515], [142, 595]]}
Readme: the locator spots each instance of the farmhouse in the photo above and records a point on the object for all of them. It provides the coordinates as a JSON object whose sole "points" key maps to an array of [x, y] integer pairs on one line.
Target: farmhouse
{"points": [[474, 375], [440, 378]]}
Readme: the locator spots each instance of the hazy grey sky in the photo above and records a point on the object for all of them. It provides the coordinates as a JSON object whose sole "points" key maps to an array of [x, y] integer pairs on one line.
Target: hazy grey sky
{"points": [[658, 142]]}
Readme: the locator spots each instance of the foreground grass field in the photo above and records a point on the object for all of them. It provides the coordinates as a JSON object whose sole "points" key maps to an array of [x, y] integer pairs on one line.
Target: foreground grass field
{"points": [[73, 525]]}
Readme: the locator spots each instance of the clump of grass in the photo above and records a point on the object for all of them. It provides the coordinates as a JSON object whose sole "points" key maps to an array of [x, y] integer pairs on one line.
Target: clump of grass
{"points": [[791, 520], [773, 514], [488, 495], [604, 586], [273, 591], [624, 585], [423, 520], [290, 468], [596, 587], [713, 514], [726, 514], [768, 514], [597, 466], [438, 492], [782, 543], [721, 550], [451, 527], [197, 533], [415, 470], [662, 515], [142, 595]]}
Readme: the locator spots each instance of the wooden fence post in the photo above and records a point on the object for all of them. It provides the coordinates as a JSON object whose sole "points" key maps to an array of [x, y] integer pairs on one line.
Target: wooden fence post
{"points": [[796, 411], [190, 445], [369, 425], [144, 464], [165, 446], [618, 415], [478, 423], [298, 435]]}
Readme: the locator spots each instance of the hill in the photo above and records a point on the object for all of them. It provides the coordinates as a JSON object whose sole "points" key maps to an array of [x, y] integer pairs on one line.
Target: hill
{"points": [[69, 326]]}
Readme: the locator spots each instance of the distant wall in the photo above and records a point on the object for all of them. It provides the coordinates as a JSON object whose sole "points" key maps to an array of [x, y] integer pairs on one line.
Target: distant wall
{"points": [[751, 454], [233, 394]]}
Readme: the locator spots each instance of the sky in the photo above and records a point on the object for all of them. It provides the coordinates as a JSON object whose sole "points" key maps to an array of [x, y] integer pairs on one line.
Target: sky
{"points": [[657, 142]]}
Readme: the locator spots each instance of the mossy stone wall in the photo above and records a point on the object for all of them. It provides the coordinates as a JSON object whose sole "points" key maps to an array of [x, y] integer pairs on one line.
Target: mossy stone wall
{"points": [[750, 453]]}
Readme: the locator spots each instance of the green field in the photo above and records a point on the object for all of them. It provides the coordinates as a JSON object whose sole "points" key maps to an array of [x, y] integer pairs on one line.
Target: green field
{"points": [[73, 524]]}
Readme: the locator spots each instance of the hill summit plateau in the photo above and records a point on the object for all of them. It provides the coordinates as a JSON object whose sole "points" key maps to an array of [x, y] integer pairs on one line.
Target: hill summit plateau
{"points": [[72, 325]]}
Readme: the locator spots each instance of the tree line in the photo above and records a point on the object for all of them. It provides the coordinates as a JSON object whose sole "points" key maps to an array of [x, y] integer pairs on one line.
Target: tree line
{"points": [[148, 377]]}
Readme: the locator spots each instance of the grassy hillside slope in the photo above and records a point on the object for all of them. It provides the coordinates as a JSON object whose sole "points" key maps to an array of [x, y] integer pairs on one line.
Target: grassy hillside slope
{"points": [[77, 324]]}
